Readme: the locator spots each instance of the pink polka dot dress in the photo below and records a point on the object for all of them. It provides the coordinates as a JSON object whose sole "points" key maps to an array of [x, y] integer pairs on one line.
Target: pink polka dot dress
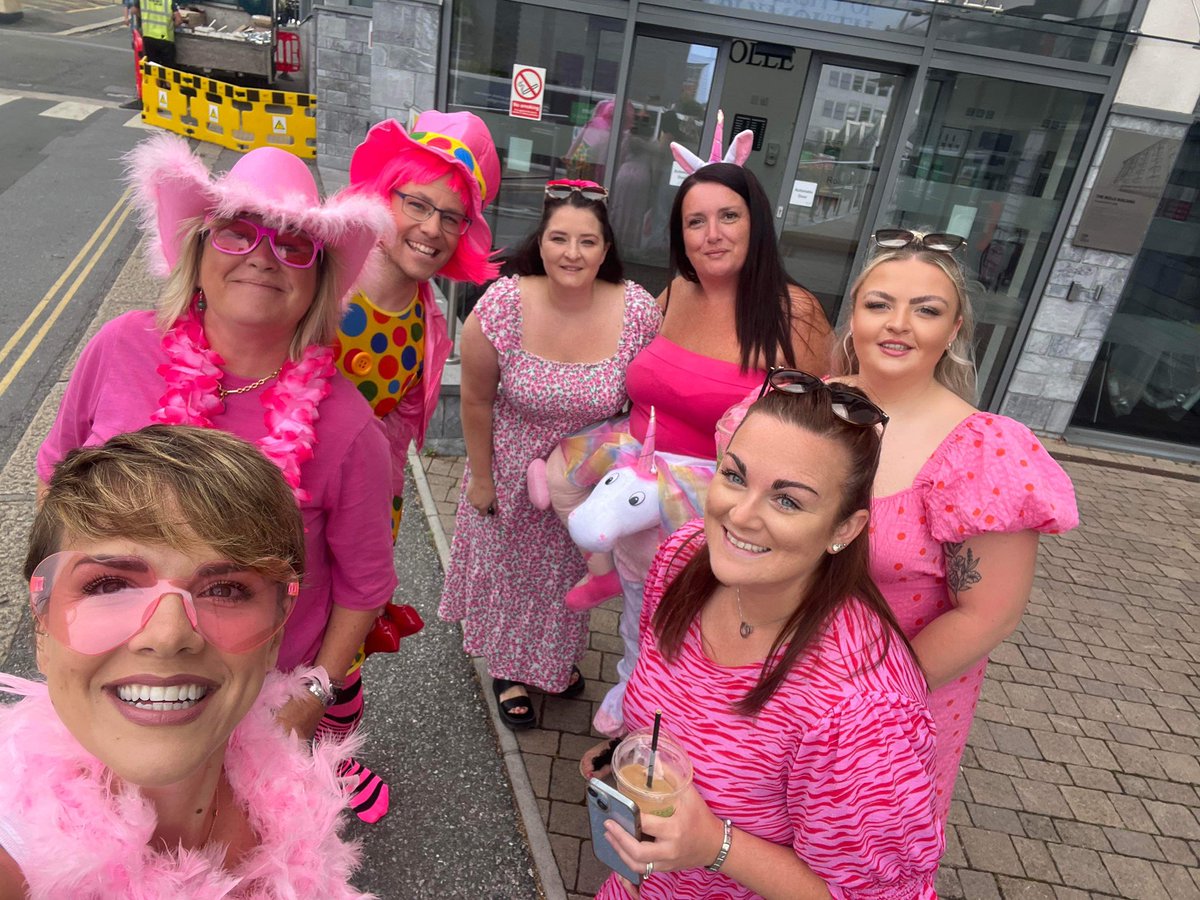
{"points": [[990, 474], [509, 572]]}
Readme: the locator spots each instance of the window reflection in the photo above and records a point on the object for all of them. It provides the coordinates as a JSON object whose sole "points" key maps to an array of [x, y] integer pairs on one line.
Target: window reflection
{"points": [[578, 118], [992, 160], [1146, 379], [835, 178]]}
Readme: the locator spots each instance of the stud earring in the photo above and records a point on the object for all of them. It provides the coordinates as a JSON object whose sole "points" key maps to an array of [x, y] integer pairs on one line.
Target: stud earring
{"points": [[201, 300], [837, 548]]}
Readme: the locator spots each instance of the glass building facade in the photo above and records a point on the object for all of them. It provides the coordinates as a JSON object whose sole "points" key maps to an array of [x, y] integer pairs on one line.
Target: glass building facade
{"points": [[978, 118]]}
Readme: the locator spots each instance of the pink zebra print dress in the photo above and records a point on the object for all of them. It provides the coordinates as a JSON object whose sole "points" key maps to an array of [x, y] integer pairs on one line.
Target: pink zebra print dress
{"points": [[838, 765]]}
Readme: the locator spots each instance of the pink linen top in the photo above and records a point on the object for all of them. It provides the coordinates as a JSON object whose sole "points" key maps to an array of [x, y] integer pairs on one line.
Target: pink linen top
{"points": [[990, 474], [115, 388], [838, 764], [689, 393]]}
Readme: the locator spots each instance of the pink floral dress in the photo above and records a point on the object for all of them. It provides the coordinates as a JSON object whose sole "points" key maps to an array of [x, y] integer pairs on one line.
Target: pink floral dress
{"points": [[990, 474], [509, 572]]}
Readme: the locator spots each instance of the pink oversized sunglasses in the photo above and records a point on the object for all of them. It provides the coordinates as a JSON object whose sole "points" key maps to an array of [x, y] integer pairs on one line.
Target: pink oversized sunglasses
{"points": [[93, 604], [238, 237]]}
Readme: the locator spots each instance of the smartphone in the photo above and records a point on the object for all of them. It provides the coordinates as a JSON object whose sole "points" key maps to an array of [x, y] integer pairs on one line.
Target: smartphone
{"points": [[606, 803]]}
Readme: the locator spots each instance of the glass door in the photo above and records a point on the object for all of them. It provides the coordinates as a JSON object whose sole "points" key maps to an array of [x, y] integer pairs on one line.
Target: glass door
{"points": [[1146, 381], [670, 85], [825, 206]]}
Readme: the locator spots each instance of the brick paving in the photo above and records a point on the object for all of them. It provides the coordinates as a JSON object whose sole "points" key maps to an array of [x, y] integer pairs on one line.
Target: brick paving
{"points": [[1081, 778]]}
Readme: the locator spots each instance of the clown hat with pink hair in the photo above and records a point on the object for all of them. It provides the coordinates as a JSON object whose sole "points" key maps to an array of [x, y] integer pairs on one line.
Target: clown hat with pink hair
{"points": [[460, 139], [172, 187]]}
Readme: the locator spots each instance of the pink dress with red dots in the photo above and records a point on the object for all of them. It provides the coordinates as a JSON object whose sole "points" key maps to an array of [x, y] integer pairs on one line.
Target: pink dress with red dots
{"points": [[990, 474]]}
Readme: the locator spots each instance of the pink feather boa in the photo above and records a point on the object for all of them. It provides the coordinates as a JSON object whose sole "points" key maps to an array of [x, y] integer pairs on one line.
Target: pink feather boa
{"points": [[85, 842]]}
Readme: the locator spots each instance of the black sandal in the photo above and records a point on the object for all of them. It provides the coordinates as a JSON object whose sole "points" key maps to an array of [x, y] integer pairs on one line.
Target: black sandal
{"points": [[602, 761], [515, 721], [575, 688]]}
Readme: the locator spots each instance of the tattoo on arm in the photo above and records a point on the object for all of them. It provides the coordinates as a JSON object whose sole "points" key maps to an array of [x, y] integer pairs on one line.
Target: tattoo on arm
{"points": [[961, 568]]}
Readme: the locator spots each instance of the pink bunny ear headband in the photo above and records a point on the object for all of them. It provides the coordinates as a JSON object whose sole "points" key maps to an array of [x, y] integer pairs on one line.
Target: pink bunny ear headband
{"points": [[739, 149]]}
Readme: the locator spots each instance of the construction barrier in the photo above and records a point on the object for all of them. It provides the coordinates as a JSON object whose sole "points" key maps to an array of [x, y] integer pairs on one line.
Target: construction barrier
{"points": [[221, 113]]}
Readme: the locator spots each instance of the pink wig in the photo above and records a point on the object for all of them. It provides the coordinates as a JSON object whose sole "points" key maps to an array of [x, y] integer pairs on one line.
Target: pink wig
{"points": [[469, 262]]}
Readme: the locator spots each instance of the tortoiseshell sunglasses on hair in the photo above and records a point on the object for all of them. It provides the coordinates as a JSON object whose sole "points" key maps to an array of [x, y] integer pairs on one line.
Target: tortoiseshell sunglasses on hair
{"points": [[899, 238], [564, 187], [847, 405]]}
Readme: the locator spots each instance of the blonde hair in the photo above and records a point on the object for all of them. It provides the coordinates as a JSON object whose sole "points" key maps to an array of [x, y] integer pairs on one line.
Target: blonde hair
{"points": [[956, 369], [174, 486], [320, 322]]}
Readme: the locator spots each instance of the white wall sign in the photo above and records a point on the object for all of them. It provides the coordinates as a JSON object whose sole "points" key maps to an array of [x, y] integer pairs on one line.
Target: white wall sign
{"points": [[528, 92], [803, 193]]}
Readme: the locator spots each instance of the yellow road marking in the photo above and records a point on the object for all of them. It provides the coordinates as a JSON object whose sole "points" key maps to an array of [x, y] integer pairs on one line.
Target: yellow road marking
{"points": [[23, 358]]}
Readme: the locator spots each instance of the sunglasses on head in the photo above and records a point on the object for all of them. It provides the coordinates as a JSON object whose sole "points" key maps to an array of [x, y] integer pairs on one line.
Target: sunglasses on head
{"points": [[94, 604], [899, 238], [563, 188], [848, 405], [238, 237]]}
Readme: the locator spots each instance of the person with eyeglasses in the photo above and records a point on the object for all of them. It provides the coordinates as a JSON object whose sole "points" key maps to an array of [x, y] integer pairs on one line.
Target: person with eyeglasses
{"points": [[393, 342], [776, 663], [961, 495], [256, 268], [162, 567], [544, 353]]}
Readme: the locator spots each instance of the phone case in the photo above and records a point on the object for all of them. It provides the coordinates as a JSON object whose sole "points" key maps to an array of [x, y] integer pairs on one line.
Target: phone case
{"points": [[606, 803]]}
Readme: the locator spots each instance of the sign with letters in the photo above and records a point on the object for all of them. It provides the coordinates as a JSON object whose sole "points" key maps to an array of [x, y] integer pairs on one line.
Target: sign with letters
{"points": [[1126, 193]]}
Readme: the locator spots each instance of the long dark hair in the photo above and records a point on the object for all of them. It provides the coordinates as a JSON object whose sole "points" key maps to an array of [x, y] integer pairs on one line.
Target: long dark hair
{"points": [[527, 258], [763, 315], [839, 576]]}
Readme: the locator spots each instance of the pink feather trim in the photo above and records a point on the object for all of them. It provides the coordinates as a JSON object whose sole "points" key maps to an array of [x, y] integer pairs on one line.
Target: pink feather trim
{"points": [[87, 839]]}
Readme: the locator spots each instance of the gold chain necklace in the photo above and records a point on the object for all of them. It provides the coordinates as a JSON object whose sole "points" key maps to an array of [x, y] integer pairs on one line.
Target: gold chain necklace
{"points": [[223, 393]]}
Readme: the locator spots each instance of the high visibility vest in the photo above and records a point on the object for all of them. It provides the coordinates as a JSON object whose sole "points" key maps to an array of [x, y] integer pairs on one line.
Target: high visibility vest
{"points": [[157, 20]]}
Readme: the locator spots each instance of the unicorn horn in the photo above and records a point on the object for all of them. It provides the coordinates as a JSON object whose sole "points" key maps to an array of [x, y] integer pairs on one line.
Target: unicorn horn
{"points": [[718, 138], [645, 463]]}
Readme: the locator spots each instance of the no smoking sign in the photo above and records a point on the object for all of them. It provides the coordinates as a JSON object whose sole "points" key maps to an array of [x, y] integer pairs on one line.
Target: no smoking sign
{"points": [[528, 92]]}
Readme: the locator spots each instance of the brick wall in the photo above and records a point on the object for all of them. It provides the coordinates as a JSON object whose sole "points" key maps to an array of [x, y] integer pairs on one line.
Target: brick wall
{"points": [[343, 86], [404, 58], [1066, 334], [372, 63]]}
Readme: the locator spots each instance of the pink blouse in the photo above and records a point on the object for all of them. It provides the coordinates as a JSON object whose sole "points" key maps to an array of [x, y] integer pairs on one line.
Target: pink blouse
{"points": [[990, 474], [837, 765], [689, 393]]}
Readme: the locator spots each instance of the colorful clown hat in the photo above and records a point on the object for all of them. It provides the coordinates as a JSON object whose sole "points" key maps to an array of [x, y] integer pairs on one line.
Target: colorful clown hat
{"points": [[461, 138]]}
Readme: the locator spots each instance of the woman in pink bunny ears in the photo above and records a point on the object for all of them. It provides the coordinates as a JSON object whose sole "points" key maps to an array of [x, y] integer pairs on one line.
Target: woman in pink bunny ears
{"points": [[730, 312]]}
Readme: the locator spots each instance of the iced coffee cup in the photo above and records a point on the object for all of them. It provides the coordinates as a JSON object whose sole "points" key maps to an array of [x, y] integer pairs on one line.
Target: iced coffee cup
{"points": [[672, 771]]}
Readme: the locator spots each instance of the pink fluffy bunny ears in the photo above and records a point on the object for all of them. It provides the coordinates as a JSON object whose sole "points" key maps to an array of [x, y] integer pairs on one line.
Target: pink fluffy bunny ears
{"points": [[738, 153]]}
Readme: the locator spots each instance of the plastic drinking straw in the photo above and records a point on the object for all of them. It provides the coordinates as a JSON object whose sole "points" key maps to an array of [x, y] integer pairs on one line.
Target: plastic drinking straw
{"points": [[653, 749]]}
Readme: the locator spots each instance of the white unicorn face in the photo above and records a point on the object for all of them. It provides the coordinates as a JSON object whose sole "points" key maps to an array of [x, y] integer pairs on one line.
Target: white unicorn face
{"points": [[625, 502]]}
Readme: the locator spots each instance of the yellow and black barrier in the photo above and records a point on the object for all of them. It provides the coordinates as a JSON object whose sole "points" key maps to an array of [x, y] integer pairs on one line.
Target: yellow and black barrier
{"points": [[221, 113]]}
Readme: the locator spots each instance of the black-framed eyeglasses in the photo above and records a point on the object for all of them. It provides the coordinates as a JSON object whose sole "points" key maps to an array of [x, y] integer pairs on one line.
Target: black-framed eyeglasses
{"points": [[421, 209], [849, 406], [899, 238]]}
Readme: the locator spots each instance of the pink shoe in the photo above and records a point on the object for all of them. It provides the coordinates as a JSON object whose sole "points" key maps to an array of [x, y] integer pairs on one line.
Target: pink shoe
{"points": [[538, 486], [593, 591]]}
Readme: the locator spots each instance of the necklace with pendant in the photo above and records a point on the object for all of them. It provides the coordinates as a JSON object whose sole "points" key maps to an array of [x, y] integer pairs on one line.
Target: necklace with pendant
{"points": [[746, 629]]}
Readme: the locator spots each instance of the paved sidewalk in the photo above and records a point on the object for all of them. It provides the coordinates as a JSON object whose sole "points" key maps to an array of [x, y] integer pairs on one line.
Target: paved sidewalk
{"points": [[1081, 776]]}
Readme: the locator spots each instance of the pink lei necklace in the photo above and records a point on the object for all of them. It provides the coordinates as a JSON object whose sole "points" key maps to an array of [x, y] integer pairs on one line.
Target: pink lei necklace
{"points": [[193, 375]]}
